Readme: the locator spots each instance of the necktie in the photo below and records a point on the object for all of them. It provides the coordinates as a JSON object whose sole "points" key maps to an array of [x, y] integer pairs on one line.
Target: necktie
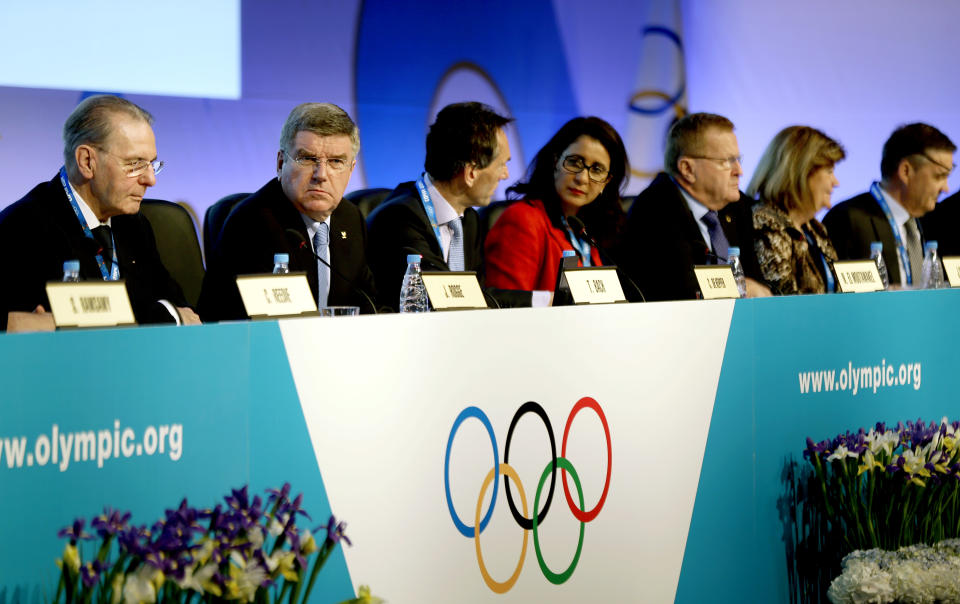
{"points": [[455, 257], [718, 241], [321, 246], [914, 249], [104, 237]]}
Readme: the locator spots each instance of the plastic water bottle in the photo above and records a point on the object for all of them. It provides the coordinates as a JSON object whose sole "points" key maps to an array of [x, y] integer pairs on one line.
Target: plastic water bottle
{"points": [[932, 272], [733, 259], [876, 254], [281, 264], [413, 295], [71, 271]]}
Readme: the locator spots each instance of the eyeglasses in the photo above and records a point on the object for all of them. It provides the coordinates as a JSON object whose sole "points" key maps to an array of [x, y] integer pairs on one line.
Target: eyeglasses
{"points": [[334, 164], [725, 163], [136, 167], [574, 164], [949, 169]]}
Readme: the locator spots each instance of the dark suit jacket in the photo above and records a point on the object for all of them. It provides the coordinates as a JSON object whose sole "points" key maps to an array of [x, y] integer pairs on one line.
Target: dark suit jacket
{"points": [[661, 242], [855, 223], [401, 222], [257, 229], [40, 231], [943, 226]]}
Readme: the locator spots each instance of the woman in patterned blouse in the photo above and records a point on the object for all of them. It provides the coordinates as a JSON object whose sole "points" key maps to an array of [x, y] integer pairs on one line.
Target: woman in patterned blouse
{"points": [[793, 182]]}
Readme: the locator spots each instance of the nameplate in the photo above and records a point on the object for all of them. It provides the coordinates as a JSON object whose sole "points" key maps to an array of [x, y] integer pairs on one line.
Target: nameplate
{"points": [[453, 290], [276, 295], [951, 266], [90, 304], [594, 285], [857, 276], [716, 281]]}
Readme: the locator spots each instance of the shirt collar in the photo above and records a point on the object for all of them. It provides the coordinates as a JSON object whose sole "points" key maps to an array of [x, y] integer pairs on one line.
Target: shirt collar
{"points": [[900, 215], [699, 210], [312, 226], [445, 212], [88, 215]]}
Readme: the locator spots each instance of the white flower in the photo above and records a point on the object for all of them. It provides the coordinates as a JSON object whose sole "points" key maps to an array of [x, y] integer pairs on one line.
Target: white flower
{"points": [[195, 579], [841, 453], [139, 587]]}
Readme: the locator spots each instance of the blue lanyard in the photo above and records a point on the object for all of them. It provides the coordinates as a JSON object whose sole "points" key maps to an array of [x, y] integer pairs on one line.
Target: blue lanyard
{"points": [[428, 207], [114, 273], [581, 246], [904, 257], [827, 273]]}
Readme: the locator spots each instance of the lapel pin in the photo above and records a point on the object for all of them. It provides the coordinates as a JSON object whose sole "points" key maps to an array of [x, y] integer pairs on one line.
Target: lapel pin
{"points": [[343, 234]]}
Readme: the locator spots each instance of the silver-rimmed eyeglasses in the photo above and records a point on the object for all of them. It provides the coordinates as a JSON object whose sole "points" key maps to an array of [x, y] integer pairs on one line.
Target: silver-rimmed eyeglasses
{"points": [[334, 164]]}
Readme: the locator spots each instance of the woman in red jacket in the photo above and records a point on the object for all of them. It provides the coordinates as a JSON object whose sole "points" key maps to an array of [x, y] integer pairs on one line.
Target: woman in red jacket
{"points": [[578, 173]]}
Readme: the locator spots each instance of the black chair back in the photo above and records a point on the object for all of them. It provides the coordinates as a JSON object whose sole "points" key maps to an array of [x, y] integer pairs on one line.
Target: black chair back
{"points": [[177, 243], [214, 218], [367, 199]]}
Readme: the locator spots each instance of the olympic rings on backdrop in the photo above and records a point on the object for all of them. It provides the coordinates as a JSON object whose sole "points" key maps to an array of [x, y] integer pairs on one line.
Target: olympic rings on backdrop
{"points": [[536, 519]]}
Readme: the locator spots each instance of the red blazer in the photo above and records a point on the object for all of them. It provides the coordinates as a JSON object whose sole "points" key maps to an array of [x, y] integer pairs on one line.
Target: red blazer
{"points": [[523, 250]]}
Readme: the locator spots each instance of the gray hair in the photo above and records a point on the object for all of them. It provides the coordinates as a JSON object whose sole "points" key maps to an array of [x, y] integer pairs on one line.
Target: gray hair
{"points": [[90, 124], [322, 119]]}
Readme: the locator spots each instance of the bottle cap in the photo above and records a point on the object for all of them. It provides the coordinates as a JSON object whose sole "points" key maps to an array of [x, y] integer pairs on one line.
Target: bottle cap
{"points": [[876, 246], [930, 245], [284, 258], [569, 253], [71, 266], [733, 251], [413, 258]]}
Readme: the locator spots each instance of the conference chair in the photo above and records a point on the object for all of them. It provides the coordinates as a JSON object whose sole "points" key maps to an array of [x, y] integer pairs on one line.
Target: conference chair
{"points": [[490, 213], [214, 218], [177, 243], [367, 199]]}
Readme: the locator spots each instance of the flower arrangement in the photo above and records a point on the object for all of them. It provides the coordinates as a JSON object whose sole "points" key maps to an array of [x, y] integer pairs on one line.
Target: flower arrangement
{"points": [[916, 573], [878, 489], [235, 551]]}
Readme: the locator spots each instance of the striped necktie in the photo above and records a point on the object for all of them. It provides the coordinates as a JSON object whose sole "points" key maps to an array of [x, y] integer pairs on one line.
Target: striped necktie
{"points": [[914, 248], [321, 247], [455, 257]]}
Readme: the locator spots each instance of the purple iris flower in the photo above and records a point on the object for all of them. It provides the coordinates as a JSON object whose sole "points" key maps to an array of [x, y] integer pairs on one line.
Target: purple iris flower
{"points": [[110, 522], [335, 531], [75, 532], [135, 540], [90, 573]]}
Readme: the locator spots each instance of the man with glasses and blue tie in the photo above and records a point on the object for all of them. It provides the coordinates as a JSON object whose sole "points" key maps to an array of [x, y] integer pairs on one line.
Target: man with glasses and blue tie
{"points": [[302, 213], [467, 155], [916, 161], [89, 212], [690, 215]]}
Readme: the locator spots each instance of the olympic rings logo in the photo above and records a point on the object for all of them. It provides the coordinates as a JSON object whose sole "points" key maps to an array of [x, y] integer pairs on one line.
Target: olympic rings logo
{"points": [[526, 523]]}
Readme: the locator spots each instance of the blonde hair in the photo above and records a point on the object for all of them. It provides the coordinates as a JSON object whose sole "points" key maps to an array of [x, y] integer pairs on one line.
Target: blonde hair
{"points": [[794, 154]]}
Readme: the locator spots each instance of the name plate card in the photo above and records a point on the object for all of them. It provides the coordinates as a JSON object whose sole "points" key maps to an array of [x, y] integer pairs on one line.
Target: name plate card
{"points": [[276, 295], [453, 290], [594, 285], [857, 276], [716, 281], [951, 266], [90, 304]]}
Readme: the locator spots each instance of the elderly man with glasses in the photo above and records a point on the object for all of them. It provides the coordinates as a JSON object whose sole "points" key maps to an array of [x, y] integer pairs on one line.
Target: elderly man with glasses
{"points": [[89, 212], [692, 214], [916, 161], [302, 213]]}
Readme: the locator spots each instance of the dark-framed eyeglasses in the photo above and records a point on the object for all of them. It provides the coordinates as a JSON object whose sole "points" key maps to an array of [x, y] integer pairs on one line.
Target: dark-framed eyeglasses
{"points": [[574, 164], [949, 169], [725, 163]]}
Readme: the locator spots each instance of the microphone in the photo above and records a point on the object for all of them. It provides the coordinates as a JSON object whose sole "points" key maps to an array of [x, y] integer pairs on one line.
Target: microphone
{"points": [[433, 266], [298, 236], [580, 230]]}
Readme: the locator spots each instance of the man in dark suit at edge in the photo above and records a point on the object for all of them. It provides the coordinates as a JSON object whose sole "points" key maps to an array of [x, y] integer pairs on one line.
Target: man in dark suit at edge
{"points": [[90, 212], [916, 161], [691, 214], [467, 155], [301, 212]]}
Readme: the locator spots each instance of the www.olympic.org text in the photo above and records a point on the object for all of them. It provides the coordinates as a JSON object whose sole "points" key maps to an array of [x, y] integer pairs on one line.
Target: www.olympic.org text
{"points": [[861, 379], [61, 448]]}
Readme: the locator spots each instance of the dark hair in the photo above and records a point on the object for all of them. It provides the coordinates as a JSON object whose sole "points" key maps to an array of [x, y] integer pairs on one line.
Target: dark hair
{"points": [[322, 119], [912, 139], [686, 137], [462, 134], [90, 123], [604, 216]]}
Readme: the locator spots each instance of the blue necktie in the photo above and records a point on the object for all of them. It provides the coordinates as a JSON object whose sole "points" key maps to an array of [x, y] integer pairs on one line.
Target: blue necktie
{"points": [[455, 257], [718, 241], [321, 243]]}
